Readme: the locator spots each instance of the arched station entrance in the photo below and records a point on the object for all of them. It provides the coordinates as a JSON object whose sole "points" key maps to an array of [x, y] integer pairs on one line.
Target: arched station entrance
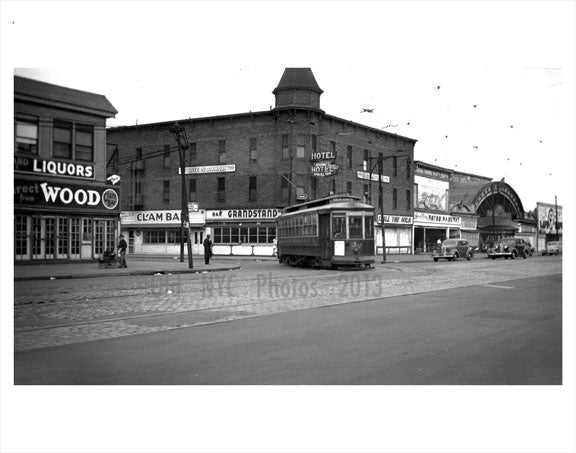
{"points": [[498, 208]]}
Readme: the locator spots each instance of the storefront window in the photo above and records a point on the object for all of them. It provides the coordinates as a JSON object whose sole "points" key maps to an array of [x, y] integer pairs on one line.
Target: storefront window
{"points": [[154, 237], [87, 230], [234, 235], [244, 235]]}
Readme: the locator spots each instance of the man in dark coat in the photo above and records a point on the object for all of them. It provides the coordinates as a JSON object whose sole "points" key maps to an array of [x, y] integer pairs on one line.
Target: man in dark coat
{"points": [[207, 249], [122, 251]]}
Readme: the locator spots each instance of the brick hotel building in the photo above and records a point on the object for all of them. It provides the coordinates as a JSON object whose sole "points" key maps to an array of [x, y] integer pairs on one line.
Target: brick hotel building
{"points": [[242, 169]]}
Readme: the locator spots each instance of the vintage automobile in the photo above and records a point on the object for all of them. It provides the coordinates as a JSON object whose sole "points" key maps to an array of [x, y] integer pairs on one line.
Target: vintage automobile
{"points": [[452, 249], [509, 248], [553, 248]]}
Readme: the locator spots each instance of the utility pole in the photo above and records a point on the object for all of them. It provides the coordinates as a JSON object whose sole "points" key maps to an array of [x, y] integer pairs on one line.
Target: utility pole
{"points": [[556, 218], [381, 193], [182, 141]]}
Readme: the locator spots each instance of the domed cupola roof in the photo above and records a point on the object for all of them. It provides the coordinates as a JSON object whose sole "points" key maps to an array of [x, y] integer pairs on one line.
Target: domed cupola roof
{"points": [[297, 89]]}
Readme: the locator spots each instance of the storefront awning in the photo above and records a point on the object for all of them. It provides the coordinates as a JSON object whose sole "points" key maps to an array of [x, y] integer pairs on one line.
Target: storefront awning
{"points": [[497, 224]]}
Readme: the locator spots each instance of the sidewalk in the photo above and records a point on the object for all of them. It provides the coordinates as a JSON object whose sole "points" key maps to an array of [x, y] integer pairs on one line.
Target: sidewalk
{"points": [[164, 264], [137, 265]]}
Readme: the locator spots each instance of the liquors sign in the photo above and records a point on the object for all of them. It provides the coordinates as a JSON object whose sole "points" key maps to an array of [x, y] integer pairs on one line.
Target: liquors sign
{"points": [[41, 166]]}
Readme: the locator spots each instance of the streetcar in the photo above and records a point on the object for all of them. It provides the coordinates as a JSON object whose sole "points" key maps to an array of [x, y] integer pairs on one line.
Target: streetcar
{"points": [[328, 232]]}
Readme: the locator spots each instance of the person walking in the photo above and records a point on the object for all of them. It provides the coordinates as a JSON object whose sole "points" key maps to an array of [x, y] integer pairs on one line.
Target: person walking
{"points": [[207, 249], [122, 251]]}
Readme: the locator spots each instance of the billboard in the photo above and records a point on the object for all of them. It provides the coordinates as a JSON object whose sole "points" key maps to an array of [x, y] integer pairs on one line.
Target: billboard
{"points": [[547, 219], [432, 193]]}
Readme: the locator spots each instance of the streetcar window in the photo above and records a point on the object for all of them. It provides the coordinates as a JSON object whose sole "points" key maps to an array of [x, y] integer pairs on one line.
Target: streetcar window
{"points": [[338, 227], [368, 227], [355, 227]]}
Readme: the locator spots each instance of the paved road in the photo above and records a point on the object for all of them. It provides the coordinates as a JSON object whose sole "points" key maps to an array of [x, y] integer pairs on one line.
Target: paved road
{"points": [[508, 332], [53, 313]]}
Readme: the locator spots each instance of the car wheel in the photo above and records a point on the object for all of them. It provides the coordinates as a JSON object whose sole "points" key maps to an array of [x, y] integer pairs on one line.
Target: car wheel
{"points": [[435, 260], [454, 257], [513, 255], [525, 255], [469, 257], [557, 252], [493, 257]]}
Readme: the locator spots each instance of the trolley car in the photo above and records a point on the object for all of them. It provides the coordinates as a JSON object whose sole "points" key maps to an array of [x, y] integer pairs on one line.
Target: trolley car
{"points": [[328, 232]]}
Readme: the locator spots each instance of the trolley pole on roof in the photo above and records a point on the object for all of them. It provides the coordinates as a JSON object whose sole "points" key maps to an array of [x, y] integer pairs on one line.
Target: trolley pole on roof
{"points": [[180, 135]]}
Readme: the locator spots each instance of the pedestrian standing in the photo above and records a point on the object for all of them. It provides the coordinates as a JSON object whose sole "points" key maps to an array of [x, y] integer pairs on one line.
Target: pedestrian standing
{"points": [[207, 249], [122, 251]]}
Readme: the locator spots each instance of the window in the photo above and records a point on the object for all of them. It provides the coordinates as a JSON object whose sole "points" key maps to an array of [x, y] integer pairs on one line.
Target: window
{"points": [[244, 235], [314, 143], [154, 236], [166, 192], [166, 156], [300, 138], [62, 140], [394, 198], [349, 156], [366, 193], [138, 153], [253, 149], [192, 192], [395, 166], [313, 188], [21, 235], [355, 227], [252, 189], [285, 147], [366, 161], [368, 227], [333, 148], [26, 136], [84, 148], [332, 186], [87, 230], [408, 199], [192, 152], [408, 168], [173, 236], [221, 189], [222, 151], [283, 188], [349, 187], [338, 227]]}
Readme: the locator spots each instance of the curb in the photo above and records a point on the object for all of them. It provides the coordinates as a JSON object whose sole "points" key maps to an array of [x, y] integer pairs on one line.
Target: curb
{"points": [[130, 274]]}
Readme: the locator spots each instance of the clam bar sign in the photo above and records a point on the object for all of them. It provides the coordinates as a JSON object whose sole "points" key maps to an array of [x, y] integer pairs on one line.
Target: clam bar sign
{"points": [[51, 167], [69, 196]]}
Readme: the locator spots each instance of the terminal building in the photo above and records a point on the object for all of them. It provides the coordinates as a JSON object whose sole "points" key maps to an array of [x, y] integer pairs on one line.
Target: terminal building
{"points": [[242, 169], [64, 207]]}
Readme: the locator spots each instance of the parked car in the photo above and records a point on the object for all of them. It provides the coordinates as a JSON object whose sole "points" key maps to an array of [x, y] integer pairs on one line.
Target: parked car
{"points": [[553, 248], [452, 249], [509, 248]]}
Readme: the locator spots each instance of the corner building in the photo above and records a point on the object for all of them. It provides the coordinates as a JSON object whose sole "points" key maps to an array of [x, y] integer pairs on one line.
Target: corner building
{"points": [[242, 169], [64, 208]]}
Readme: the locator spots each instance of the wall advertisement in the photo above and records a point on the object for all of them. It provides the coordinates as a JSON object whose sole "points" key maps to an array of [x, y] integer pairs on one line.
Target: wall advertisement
{"points": [[548, 221], [432, 193], [70, 196]]}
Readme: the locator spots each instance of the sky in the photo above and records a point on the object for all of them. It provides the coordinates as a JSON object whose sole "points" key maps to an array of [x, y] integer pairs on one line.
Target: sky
{"points": [[485, 88]]}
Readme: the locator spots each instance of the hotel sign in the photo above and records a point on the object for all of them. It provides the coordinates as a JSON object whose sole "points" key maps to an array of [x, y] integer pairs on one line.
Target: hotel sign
{"points": [[209, 169], [426, 218], [366, 175], [49, 167], [324, 169], [242, 214]]}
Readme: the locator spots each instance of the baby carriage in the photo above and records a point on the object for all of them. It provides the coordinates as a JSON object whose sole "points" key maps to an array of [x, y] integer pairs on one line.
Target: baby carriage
{"points": [[108, 260]]}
